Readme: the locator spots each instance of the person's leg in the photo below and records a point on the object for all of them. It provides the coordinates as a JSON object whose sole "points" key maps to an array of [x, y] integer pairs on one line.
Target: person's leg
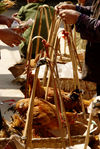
{"points": [[98, 89]]}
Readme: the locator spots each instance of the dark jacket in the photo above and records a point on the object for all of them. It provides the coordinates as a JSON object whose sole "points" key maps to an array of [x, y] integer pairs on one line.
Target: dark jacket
{"points": [[89, 29]]}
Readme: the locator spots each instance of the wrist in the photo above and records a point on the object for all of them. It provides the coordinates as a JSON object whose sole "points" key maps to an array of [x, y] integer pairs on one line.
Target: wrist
{"points": [[3, 20]]}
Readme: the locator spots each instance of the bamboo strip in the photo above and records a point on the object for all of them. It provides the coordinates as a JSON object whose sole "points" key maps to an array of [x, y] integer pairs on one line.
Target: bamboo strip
{"points": [[54, 36], [29, 53], [74, 64], [59, 92], [88, 129], [47, 22], [62, 106], [30, 39], [39, 29], [49, 142], [57, 104], [57, 89], [28, 125], [50, 36], [76, 57]]}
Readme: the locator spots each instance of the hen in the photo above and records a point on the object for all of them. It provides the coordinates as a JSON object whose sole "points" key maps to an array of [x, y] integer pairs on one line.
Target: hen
{"points": [[44, 116]]}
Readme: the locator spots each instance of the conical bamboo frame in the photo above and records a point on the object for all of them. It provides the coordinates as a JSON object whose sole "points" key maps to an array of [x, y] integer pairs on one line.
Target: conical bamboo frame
{"points": [[29, 120], [29, 48], [56, 94], [41, 8], [73, 55], [28, 126]]}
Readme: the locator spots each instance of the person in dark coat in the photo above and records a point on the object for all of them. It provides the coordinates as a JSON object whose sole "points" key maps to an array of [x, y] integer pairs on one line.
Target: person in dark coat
{"points": [[87, 21]]}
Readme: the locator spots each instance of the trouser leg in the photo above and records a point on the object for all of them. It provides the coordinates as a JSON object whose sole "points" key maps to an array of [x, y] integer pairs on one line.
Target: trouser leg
{"points": [[98, 89]]}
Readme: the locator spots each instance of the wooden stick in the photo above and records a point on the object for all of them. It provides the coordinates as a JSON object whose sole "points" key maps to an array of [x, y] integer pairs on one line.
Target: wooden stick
{"points": [[50, 42], [57, 104], [62, 106], [46, 17], [29, 53], [88, 129], [76, 57], [74, 64], [53, 142], [39, 30], [59, 92], [29, 120], [54, 38], [57, 89]]}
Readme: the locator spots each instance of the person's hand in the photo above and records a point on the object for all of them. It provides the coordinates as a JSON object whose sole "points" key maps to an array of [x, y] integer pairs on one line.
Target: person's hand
{"points": [[9, 37], [69, 16], [21, 29], [64, 5], [8, 20]]}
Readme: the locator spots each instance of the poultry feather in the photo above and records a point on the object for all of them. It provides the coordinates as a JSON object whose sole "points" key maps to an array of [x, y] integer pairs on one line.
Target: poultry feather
{"points": [[95, 104], [44, 116], [6, 130], [71, 99]]}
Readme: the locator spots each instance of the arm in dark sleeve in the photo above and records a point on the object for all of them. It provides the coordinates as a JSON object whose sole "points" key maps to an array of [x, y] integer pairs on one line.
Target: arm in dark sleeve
{"points": [[84, 9], [89, 28]]}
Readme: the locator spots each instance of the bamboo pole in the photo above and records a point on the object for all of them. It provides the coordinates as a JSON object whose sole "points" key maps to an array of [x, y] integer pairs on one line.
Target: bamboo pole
{"points": [[74, 64], [57, 104], [43, 9], [49, 40], [39, 30], [57, 89], [46, 16], [54, 36], [29, 53], [29, 120], [28, 126], [29, 49], [62, 106], [59, 92], [88, 128], [48, 142]]}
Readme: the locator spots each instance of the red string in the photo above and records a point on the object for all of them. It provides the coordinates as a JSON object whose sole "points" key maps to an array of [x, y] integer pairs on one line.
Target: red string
{"points": [[66, 35], [46, 46]]}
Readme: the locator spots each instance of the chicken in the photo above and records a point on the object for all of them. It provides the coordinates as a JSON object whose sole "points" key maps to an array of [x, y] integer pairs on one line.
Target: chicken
{"points": [[71, 100], [5, 128], [44, 116], [96, 106]]}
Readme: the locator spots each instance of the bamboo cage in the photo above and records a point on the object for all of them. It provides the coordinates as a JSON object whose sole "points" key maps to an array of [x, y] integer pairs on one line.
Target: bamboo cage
{"points": [[48, 142], [52, 55], [58, 84]]}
